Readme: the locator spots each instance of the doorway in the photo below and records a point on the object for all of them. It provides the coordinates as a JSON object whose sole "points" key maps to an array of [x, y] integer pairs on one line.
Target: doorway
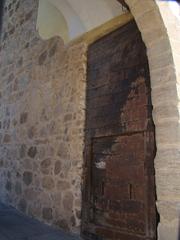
{"points": [[119, 186]]}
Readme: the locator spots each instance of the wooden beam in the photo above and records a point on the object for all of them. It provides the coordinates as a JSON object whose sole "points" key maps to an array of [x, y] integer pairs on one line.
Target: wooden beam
{"points": [[99, 32]]}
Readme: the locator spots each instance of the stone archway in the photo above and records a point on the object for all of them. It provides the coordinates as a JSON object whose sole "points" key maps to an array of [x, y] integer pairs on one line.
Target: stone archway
{"points": [[160, 29], [65, 68]]}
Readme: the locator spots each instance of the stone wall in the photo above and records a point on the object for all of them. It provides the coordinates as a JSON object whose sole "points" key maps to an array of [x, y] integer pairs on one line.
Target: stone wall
{"points": [[42, 89], [42, 93]]}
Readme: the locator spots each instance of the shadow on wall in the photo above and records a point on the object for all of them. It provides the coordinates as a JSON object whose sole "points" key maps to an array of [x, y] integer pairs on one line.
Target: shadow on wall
{"points": [[1, 13]]}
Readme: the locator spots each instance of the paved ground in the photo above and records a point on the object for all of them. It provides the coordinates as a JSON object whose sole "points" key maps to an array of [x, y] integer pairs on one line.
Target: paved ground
{"points": [[16, 226]]}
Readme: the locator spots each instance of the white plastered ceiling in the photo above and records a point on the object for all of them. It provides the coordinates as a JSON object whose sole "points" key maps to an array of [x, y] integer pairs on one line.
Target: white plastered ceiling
{"points": [[71, 18]]}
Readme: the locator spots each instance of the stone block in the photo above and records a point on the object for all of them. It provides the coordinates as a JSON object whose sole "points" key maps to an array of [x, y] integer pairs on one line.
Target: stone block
{"points": [[169, 231], [160, 61], [167, 132], [57, 167], [32, 152], [47, 213], [161, 77], [139, 8], [48, 183], [167, 184], [145, 22], [68, 201], [159, 47], [167, 157], [27, 178], [167, 94], [45, 166]]}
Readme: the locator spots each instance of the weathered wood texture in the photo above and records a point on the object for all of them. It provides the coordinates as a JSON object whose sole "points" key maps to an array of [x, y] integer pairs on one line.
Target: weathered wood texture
{"points": [[119, 189]]}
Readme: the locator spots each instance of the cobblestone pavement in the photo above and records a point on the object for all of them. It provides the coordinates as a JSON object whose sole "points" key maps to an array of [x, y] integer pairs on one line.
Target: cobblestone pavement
{"points": [[16, 226]]}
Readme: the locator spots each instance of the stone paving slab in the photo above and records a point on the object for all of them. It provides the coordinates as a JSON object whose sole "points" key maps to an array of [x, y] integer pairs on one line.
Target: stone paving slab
{"points": [[16, 226]]}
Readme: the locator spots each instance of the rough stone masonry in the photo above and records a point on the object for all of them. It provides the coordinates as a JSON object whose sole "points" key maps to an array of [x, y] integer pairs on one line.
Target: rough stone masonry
{"points": [[42, 102], [41, 119]]}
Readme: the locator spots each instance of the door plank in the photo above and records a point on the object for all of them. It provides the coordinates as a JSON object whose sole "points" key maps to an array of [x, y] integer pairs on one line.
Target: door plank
{"points": [[119, 186]]}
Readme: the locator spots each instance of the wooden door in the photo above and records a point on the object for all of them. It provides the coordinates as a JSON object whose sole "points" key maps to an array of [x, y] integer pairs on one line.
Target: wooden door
{"points": [[119, 188]]}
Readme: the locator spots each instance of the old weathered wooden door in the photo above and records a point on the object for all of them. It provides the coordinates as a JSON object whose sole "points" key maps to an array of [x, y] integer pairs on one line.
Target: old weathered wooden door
{"points": [[119, 188]]}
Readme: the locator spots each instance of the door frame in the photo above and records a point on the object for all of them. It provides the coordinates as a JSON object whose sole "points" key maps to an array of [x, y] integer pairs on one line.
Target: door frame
{"points": [[126, 18]]}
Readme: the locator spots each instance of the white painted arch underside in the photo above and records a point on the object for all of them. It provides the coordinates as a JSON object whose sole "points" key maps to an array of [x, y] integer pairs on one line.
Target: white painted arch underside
{"points": [[71, 18]]}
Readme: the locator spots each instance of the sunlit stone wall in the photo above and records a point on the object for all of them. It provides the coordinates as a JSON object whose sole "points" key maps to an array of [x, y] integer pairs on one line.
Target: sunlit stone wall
{"points": [[42, 88], [42, 104]]}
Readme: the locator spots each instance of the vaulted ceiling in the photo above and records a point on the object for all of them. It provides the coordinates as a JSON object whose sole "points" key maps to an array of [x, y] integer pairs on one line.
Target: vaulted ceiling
{"points": [[71, 18]]}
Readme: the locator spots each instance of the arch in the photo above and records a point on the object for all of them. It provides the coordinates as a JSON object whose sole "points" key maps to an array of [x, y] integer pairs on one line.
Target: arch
{"points": [[71, 18], [48, 21], [160, 29]]}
